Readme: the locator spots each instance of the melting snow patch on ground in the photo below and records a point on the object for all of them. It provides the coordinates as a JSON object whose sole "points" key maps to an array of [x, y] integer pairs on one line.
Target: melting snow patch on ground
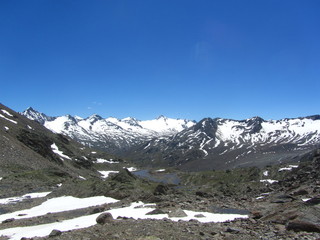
{"points": [[269, 181], [6, 112], [305, 199], [135, 210], [60, 204], [265, 173], [106, 174], [289, 168], [57, 151], [131, 169], [15, 122], [21, 198], [101, 160]]}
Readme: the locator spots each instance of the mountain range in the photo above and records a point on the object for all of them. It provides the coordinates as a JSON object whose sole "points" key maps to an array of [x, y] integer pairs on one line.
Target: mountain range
{"points": [[208, 144]]}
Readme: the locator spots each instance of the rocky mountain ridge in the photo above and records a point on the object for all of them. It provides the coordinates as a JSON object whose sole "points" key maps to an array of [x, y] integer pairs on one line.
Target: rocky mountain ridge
{"points": [[210, 143], [224, 143], [111, 134]]}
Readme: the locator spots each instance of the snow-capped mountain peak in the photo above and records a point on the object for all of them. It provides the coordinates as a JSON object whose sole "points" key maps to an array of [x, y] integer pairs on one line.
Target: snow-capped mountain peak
{"points": [[37, 116], [106, 132]]}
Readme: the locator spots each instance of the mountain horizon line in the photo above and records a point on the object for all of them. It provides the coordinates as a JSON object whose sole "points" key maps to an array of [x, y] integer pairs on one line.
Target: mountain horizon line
{"points": [[313, 117]]}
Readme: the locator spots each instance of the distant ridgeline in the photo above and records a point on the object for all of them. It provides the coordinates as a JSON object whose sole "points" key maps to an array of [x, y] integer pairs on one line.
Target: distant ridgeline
{"points": [[207, 144]]}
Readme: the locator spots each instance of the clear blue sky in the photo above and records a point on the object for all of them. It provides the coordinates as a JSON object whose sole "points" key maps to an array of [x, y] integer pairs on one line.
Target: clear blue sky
{"points": [[183, 59]]}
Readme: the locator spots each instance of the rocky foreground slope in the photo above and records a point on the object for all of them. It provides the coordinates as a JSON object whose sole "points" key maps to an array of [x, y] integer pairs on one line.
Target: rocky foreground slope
{"points": [[286, 209], [281, 202]]}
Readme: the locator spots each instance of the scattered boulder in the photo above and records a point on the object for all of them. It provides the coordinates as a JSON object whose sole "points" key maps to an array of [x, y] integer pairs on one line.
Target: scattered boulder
{"points": [[124, 176], [203, 194], [97, 210], [178, 213], [155, 212], [298, 226], [161, 189], [232, 230], [55, 233], [104, 218], [8, 220], [313, 201], [300, 192], [282, 199], [199, 215], [256, 214]]}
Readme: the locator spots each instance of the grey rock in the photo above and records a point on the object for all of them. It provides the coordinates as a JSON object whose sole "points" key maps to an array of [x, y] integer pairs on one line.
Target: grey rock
{"points": [[8, 220], [199, 216], [104, 218], [298, 226], [155, 212], [97, 210], [55, 233], [177, 213]]}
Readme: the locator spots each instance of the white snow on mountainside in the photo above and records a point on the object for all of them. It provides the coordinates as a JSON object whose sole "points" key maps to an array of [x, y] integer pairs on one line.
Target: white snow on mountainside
{"points": [[226, 141], [212, 137], [122, 133]]}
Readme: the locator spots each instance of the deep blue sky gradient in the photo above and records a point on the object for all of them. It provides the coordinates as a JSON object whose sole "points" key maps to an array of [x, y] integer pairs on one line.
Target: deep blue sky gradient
{"points": [[183, 59]]}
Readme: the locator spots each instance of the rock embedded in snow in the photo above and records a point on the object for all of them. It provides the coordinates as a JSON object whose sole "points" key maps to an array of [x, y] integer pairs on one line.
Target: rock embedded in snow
{"points": [[178, 213], [155, 212], [104, 218], [55, 233]]}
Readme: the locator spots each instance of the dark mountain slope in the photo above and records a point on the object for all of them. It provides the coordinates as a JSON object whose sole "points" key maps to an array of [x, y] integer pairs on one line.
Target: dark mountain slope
{"points": [[31, 155]]}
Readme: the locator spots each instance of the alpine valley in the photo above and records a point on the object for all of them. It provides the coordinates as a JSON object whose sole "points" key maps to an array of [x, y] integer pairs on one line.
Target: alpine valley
{"points": [[66, 177], [189, 145]]}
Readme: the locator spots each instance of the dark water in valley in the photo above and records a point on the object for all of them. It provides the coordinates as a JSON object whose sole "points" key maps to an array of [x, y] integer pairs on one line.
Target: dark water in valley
{"points": [[229, 211], [167, 178]]}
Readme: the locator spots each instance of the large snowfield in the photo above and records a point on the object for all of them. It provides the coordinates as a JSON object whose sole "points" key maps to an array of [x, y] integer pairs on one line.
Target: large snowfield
{"points": [[136, 210]]}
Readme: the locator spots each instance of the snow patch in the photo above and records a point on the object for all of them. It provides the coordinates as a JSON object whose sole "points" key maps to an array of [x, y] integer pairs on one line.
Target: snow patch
{"points": [[289, 168], [7, 113], [101, 160], [57, 151], [60, 204], [13, 200], [106, 174], [135, 210], [131, 169], [15, 122], [269, 181]]}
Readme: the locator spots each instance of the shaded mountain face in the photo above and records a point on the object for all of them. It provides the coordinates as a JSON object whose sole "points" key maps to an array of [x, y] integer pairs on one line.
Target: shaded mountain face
{"points": [[110, 134], [207, 144], [32, 152]]}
